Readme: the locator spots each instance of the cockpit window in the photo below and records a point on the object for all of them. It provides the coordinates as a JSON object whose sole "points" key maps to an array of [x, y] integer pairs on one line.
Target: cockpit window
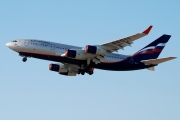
{"points": [[14, 41]]}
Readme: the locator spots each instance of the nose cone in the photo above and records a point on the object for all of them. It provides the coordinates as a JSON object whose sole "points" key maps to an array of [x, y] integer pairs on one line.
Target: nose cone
{"points": [[8, 44]]}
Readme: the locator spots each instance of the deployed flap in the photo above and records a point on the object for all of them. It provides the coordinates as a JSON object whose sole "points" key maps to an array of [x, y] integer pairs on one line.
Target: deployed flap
{"points": [[127, 41], [157, 61]]}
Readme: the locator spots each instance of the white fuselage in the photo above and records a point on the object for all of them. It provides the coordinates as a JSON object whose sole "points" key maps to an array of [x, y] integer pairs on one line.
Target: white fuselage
{"points": [[55, 49]]}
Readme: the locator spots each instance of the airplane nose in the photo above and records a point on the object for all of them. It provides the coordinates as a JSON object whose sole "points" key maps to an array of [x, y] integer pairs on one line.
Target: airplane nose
{"points": [[8, 44]]}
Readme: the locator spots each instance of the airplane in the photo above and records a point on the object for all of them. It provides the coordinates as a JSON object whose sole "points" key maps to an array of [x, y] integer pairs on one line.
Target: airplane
{"points": [[73, 60]]}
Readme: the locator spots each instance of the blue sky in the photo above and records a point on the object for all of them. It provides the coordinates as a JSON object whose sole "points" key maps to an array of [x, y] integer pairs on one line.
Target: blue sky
{"points": [[30, 91]]}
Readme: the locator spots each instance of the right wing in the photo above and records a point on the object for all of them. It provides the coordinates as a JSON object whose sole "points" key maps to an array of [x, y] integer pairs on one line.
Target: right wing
{"points": [[119, 44], [123, 42]]}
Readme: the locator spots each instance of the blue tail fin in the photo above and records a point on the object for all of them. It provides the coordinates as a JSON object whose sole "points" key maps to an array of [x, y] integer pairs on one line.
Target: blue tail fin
{"points": [[153, 50]]}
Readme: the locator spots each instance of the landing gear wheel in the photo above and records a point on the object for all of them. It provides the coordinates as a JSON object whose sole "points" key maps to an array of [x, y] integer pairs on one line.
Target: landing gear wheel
{"points": [[24, 59], [82, 72], [78, 72], [91, 72]]}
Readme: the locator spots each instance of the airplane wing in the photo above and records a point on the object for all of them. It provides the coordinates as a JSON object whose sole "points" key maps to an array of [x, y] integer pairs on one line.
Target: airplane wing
{"points": [[97, 52], [118, 44], [127, 41]]}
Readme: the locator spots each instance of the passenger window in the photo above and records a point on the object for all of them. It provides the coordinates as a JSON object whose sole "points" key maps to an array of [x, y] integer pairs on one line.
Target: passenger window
{"points": [[52, 46]]}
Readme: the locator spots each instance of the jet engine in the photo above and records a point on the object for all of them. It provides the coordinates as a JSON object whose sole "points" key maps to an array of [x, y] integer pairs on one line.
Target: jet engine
{"points": [[76, 54], [58, 68], [61, 69], [95, 50]]}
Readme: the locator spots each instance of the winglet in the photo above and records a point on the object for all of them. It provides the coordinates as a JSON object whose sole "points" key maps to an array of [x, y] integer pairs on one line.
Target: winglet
{"points": [[148, 30]]}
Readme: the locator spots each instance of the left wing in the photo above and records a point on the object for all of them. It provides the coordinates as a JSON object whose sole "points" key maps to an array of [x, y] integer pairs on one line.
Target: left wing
{"points": [[127, 41]]}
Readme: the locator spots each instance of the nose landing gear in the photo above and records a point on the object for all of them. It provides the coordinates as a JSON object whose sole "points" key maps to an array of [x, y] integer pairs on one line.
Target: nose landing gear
{"points": [[24, 59]]}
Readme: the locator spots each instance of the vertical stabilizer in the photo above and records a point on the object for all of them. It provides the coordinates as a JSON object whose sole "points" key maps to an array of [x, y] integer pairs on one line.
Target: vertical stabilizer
{"points": [[153, 50]]}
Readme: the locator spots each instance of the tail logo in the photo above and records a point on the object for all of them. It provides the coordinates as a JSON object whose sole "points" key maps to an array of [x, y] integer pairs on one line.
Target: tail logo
{"points": [[152, 49]]}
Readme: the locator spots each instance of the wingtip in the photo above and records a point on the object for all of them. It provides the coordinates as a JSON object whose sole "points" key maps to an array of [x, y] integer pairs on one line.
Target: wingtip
{"points": [[148, 30]]}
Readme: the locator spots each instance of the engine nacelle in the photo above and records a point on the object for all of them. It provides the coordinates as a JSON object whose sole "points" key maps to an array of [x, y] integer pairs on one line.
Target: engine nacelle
{"points": [[95, 50], [61, 69], [76, 54], [58, 68]]}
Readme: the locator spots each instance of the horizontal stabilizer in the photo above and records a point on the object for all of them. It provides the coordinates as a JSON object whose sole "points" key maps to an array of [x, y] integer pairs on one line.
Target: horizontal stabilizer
{"points": [[157, 61]]}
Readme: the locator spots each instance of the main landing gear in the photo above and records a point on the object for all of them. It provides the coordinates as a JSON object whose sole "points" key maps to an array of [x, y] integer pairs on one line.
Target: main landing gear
{"points": [[86, 69], [82, 72], [24, 59], [90, 72]]}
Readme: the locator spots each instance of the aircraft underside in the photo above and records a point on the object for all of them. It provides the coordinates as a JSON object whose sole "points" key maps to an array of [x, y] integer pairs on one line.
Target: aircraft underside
{"points": [[113, 66]]}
